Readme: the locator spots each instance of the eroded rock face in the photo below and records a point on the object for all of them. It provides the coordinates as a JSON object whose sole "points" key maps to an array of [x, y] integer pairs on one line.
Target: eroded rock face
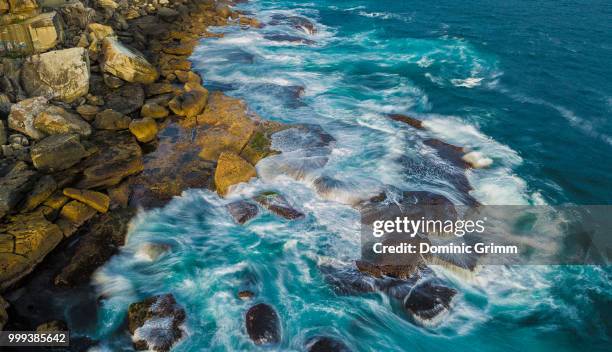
{"points": [[277, 204], [119, 156], [25, 242], [97, 200], [263, 324], [242, 211], [155, 323], [14, 185], [126, 63], [30, 33], [57, 120], [57, 152], [60, 74], [231, 170], [428, 301], [23, 114]]}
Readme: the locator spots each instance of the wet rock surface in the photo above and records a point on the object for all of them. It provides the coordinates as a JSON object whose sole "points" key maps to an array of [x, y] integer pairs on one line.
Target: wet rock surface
{"points": [[155, 323], [279, 205], [327, 344], [427, 301], [263, 324], [242, 211]]}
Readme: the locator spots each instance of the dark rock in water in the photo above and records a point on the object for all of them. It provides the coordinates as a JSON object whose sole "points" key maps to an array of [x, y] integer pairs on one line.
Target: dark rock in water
{"points": [[327, 344], [288, 38], [103, 238], [297, 22], [263, 325], [155, 323], [277, 204], [418, 124], [245, 295], [427, 301], [304, 136], [348, 281], [242, 211], [449, 152]]}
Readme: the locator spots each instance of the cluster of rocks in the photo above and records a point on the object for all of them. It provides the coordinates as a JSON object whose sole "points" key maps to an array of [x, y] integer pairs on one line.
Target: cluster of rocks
{"points": [[90, 95]]}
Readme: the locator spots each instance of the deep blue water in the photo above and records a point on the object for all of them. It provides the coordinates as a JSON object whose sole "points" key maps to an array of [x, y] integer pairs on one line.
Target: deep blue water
{"points": [[525, 83]]}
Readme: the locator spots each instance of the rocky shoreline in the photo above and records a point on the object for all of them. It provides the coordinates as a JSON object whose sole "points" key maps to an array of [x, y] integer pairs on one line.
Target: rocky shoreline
{"points": [[100, 115]]}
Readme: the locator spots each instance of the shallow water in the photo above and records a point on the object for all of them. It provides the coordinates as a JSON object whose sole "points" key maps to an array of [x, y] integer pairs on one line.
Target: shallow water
{"points": [[512, 80]]}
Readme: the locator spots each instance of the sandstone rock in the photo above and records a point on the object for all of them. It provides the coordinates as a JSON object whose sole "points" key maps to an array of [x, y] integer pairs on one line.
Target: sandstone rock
{"points": [[30, 35], [59, 74], [263, 324], [4, 7], [119, 156], [95, 100], [112, 81], [57, 152], [111, 120], [258, 147], [277, 204], [162, 88], [231, 170], [108, 4], [98, 201], [126, 99], [22, 6], [179, 48], [145, 129], [97, 31], [42, 190], [22, 115], [56, 120], [126, 63], [5, 106], [242, 211], [187, 76], [189, 104], [14, 185], [33, 238], [155, 323], [154, 111], [76, 14], [73, 215], [88, 112], [120, 195]]}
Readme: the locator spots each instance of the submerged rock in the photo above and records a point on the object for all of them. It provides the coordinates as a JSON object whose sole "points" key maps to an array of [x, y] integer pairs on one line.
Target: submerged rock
{"points": [[96, 200], [297, 22], [155, 323], [288, 38], [242, 211], [277, 204], [428, 301], [326, 344], [231, 170], [411, 121], [60, 74], [263, 324], [57, 152], [126, 63]]}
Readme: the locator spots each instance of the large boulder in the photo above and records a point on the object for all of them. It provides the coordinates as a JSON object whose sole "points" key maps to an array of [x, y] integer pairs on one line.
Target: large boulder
{"points": [[126, 63], [14, 185], [22, 116], [263, 324], [60, 74], [119, 156], [57, 120], [231, 170], [25, 241], [57, 152], [96, 200], [427, 302], [155, 323], [189, 104], [145, 129], [28, 36]]}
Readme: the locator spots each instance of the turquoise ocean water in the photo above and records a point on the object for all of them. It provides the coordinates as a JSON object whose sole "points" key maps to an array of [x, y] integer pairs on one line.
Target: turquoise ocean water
{"points": [[526, 83]]}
